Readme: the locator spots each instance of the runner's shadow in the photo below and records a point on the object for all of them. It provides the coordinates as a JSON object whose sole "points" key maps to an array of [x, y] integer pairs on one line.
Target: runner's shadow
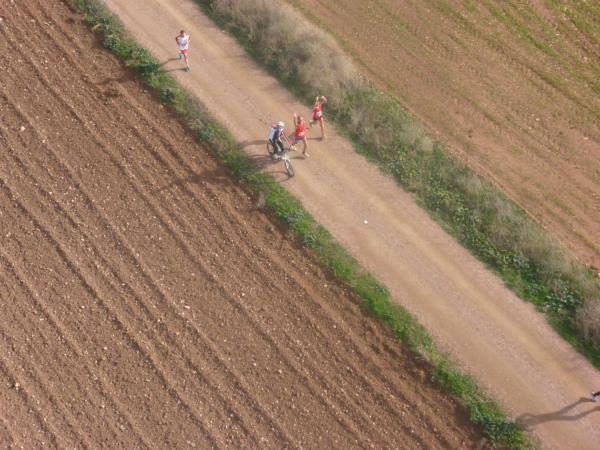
{"points": [[164, 63], [529, 421], [175, 69]]}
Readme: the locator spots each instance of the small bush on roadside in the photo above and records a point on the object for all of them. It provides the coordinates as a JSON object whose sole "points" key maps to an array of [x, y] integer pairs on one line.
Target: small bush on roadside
{"points": [[293, 49]]}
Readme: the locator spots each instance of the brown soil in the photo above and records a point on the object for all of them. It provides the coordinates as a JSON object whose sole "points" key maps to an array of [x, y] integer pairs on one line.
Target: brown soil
{"points": [[146, 302], [504, 342], [521, 109]]}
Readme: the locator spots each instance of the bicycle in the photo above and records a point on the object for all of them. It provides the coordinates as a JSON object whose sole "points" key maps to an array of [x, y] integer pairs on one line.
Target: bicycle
{"points": [[287, 146]]}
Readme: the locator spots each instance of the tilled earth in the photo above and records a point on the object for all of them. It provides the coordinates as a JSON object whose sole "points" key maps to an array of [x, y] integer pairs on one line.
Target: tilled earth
{"points": [[145, 301]]}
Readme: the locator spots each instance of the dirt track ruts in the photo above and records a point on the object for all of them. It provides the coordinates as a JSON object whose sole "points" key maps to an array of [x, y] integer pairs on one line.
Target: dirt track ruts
{"points": [[146, 302], [509, 347]]}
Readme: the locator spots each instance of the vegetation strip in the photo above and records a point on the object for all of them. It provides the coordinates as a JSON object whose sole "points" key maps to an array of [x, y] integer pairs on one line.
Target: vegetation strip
{"points": [[483, 411], [471, 208]]}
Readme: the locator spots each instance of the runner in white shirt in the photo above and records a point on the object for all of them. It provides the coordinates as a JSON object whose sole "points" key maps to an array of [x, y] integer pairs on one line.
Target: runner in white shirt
{"points": [[183, 42]]}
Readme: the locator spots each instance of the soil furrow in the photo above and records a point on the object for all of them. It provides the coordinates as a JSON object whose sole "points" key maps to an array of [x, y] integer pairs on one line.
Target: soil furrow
{"points": [[7, 436], [163, 219], [153, 273], [106, 394], [30, 388], [37, 433], [119, 237], [164, 222], [95, 297], [33, 382]]}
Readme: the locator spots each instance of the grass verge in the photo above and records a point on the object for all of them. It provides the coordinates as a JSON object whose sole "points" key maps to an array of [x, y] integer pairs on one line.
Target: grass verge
{"points": [[471, 208], [483, 411]]}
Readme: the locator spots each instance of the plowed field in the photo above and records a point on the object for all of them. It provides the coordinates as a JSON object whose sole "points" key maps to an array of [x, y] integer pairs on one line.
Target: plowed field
{"points": [[510, 86], [146, 302]]}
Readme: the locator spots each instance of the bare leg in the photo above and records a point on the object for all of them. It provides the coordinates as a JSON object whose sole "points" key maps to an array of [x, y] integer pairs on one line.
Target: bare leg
{"points": [[322, 128], [304, 147]]}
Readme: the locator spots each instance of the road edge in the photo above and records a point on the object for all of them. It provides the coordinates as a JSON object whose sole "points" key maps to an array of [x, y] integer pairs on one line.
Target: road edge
{"points": [[483, 411]]}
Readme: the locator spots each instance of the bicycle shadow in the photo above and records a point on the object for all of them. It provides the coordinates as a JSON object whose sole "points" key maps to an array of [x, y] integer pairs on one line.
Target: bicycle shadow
{"points": [[299, 156], [271, 166], [529, 421]]}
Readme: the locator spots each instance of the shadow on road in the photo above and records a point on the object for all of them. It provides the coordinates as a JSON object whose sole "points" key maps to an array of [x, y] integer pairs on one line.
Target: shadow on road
{"points": [[529, 421], [168, 61], [262, 161], [175, 69]]}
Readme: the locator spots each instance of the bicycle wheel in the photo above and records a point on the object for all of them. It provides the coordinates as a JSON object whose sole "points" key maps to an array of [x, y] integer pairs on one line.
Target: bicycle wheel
{"points": [[288, 166]]}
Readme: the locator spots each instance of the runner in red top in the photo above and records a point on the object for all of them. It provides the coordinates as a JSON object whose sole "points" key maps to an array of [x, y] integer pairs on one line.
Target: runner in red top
{"points": [[318, 114], [300, 133]]}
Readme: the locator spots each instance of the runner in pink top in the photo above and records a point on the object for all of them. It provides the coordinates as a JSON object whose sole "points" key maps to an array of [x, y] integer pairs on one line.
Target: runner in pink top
{"points": [[318, 114]]}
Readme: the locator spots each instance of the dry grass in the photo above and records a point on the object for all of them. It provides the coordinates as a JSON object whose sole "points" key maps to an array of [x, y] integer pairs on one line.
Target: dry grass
{"points": [[286, 41]]}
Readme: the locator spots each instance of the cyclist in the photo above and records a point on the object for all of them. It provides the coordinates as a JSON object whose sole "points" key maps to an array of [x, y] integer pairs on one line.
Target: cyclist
{"points": [[300, 133], [275, 135], [318, 114], [183, 42]]}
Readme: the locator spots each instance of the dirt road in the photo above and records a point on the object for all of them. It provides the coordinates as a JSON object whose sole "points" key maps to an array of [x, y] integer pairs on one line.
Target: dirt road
{"points": [[496, 336], [146, 303], [510, 86]]}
